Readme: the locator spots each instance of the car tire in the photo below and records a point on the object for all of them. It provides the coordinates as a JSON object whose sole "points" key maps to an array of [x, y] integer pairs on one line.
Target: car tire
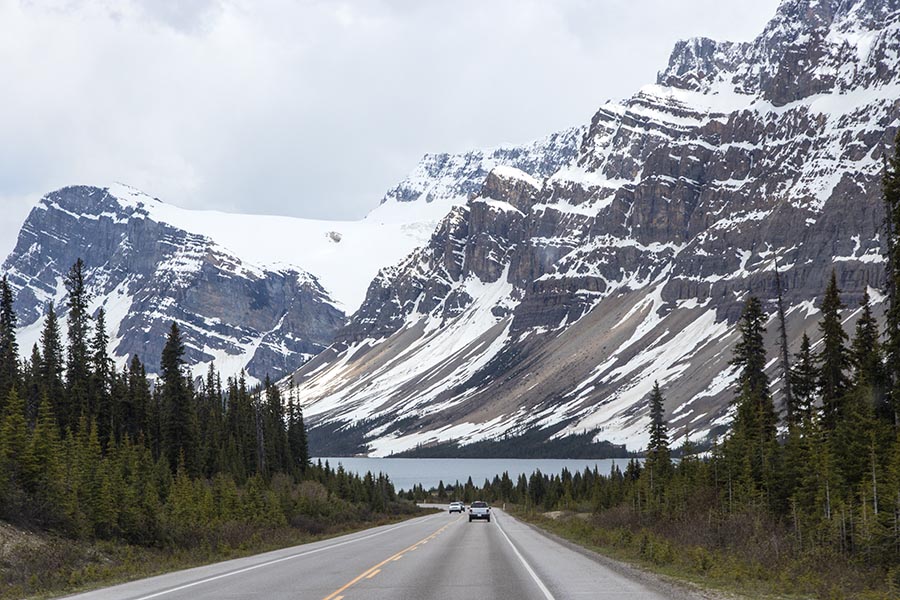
{"points": [[470, 519], [488, 519]]}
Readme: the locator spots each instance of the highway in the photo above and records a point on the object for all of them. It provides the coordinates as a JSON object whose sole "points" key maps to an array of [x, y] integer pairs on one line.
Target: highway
{"points": [[439, 556]]}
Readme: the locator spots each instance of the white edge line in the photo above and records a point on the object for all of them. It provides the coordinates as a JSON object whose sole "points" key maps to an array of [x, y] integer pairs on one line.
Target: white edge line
{"points": [[528, 568], [267, 563]]}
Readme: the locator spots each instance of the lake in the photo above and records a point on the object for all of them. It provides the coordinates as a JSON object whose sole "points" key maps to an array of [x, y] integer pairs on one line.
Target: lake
{"points": [[407, 472]]}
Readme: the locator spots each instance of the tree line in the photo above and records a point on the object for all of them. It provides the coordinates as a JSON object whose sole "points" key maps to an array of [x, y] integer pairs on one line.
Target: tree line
{"points": [[92, 450]]}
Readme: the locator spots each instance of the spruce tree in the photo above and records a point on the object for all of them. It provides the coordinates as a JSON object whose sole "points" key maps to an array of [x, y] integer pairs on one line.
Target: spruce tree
{"points": [[179, 417], [753, 440], [833, 359], [804, 380], [101, 380], [17, 464], [658, 457], [135, 404], [46, 449], [867, 361], [9, 348], [32, 385], [51, 371], [78, 373], [297, 442]]}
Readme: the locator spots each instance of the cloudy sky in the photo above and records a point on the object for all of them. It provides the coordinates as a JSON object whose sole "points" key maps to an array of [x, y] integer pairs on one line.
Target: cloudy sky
{"points": [[309, 107]]}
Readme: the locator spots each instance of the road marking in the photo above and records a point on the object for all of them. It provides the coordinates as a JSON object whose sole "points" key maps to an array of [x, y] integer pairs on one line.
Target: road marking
{"points": [[372, 571], [271, 562], [528, 568]]}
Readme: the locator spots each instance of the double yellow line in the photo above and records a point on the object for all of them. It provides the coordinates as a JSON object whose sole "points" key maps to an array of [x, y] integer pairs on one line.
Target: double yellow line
{"points": [[373, 571]]}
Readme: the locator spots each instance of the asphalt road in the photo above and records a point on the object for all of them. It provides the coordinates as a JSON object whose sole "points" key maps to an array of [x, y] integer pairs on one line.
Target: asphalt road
{"points": [[439, 556]]}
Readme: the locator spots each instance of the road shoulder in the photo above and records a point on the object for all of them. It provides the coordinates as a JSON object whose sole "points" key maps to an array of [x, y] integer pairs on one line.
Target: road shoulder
{"points": [[670, 587]]}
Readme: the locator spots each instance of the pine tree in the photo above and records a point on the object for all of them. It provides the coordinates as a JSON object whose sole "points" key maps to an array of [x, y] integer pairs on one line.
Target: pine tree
{"points": [[9, 348], [753, 440], [51, 370], [179, 417], [17, 464], [299, 450], [46, 449], [658, 459], [833, 359], [804, 380], [101, 380], [78, 373], [210, 421], [135, 404], [32, 385], [867, 361], [854, 434]]}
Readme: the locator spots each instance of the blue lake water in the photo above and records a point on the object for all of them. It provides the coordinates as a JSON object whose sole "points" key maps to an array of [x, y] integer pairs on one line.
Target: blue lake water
{"points": [[407, 472]]}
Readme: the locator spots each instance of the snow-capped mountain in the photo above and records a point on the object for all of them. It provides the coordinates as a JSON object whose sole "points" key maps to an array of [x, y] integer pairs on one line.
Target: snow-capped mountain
{"points": [[554, 300], [233, 282], [260, 293], [441, 181]]}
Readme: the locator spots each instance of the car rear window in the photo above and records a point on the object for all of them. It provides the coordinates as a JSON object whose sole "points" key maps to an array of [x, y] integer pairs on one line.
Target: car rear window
{"points": [[479, 504]]}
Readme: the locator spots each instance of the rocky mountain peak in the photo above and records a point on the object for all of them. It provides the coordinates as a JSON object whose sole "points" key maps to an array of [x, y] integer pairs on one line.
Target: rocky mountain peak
{"points": [[553, 305], [146, 272], [809, 47], [697, 61]]}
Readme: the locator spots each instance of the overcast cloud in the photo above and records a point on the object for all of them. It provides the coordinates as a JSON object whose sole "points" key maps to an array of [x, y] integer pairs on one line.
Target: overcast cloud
{"points": [[309, 108]]}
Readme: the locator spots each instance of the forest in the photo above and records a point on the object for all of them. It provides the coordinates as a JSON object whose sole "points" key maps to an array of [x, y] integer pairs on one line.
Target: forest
{"points": [[89, 453]]}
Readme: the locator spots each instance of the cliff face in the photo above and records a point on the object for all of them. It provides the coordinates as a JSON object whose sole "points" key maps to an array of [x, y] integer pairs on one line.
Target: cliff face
{"points": [[557, 299], [147, 273]]}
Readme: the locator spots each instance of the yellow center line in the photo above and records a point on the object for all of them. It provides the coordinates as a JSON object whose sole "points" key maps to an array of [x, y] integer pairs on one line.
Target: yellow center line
{"points": [[372, 571]]}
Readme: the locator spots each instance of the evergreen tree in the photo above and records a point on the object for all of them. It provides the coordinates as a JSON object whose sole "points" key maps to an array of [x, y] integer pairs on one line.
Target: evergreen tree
{"points": [[32, 385], [135, 403], [804, 380], [51, 370], [658, 458], [753, 441], [101, 380], [210, 412], [177, 405], [78, 372], [9, 348], [833, 359], [299, 450], [17, 464], [46, 450], [866, 359]]}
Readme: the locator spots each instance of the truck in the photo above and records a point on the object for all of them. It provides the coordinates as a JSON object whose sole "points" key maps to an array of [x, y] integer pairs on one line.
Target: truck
{"points": [[479, 510]]}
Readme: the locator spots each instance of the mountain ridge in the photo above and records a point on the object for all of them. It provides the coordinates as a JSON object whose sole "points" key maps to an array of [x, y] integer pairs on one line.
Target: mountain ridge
{"points": [[630, 263]]}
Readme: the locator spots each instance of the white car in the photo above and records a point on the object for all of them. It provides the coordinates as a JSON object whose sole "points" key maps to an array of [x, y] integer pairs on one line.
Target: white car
{"points": [[457, 507]]}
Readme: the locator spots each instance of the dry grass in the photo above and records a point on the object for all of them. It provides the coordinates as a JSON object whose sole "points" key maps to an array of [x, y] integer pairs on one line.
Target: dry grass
{"points": [[747, 555], [35, 564]]}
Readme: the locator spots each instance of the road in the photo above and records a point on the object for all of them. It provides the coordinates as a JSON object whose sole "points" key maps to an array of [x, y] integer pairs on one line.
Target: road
{"points": [[439, 556]]}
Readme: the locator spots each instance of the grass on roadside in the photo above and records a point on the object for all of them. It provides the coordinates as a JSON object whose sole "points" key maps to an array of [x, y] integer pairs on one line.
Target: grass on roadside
{"points": [[44, 565], [730, 570]]}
